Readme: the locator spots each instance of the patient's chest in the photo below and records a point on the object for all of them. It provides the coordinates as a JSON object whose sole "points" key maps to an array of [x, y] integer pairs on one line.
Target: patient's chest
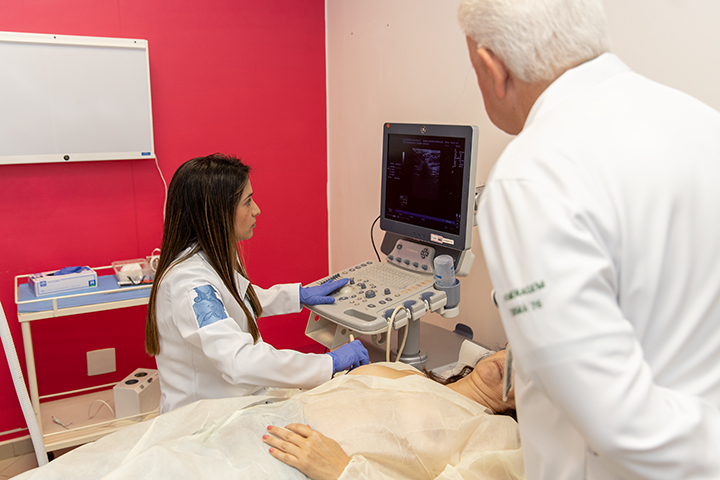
{"points": [[407, 432]]}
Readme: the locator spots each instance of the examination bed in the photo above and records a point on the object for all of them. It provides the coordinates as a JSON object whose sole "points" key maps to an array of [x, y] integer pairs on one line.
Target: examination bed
{"points": [[409, 428]]}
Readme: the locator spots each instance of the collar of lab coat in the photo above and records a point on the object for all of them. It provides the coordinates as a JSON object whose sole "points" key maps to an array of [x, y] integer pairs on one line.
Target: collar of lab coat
{"points": [[241, 282], [574, 81]]}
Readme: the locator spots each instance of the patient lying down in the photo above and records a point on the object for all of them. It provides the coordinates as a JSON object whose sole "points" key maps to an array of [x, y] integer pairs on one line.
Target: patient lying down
{"points": [[398, 425], [321, 458]]}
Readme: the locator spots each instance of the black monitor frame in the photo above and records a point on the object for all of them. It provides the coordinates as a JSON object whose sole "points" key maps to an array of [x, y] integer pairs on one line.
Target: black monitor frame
{"points": [[459, 237]]}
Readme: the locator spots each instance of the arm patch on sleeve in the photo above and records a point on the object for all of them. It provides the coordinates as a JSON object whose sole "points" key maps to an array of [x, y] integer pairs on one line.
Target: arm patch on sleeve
{"points": [[207, 306]]}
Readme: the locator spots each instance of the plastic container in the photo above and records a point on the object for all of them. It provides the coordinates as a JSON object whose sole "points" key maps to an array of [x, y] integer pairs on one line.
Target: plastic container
{"points": [[133, 272], [444, 271]]}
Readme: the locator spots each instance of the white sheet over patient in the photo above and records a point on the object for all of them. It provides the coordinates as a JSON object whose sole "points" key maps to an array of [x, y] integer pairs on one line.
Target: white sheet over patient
{"points": [[409, 428]]}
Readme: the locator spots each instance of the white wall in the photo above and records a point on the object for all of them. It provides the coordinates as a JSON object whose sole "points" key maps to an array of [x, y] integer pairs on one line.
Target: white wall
{"points": [[407, 61]]}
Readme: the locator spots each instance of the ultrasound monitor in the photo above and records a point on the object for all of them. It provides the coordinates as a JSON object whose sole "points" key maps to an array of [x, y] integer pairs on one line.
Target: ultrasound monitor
{"points": [[427, 204], [428, 183]]}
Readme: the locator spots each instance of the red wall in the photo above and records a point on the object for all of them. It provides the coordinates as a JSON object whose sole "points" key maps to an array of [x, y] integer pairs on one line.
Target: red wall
{"points": [[243, 77]]}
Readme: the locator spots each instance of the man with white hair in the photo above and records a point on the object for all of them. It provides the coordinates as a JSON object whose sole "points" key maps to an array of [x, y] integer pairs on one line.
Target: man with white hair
{"points": [[599, 225]]}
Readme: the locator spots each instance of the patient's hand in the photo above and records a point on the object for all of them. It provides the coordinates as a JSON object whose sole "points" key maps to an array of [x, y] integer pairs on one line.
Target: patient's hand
{"points": [[311, 452]]}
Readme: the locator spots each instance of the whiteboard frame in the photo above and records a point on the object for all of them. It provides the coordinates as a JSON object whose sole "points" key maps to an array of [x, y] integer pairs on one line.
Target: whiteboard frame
{"points": [[142, 133]]}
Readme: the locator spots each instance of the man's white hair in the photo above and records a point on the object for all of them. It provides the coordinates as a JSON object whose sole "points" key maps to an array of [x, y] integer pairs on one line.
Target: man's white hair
{"points": [[537, 39]]}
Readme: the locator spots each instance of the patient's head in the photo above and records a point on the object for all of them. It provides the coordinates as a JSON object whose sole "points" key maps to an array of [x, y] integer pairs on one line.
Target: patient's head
{"points": [[490, 371], [484, 384]]}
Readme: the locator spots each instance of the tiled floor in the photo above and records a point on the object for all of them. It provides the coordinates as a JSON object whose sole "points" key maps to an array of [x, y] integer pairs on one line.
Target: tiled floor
{"points": [[17, 465]]}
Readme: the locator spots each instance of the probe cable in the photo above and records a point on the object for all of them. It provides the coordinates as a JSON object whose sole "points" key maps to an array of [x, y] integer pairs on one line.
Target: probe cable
{"points": [[100, 408], [389, 332], [372, 239]]}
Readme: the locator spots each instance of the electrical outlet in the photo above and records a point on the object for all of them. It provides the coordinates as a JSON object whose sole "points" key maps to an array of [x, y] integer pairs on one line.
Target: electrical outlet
{"points": [[100, 361]]}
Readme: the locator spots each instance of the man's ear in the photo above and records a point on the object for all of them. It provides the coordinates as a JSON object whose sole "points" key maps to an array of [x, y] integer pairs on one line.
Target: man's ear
{"points": [[497, 70]]}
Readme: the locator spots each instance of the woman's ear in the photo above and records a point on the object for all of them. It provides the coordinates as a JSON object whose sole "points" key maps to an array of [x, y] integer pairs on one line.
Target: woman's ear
{"points": [[498, 72]]}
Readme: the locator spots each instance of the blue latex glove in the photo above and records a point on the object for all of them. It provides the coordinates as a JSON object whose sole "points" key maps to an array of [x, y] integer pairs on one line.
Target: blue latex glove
{"points": [[319, 293], [67, 270], [349, 356]]}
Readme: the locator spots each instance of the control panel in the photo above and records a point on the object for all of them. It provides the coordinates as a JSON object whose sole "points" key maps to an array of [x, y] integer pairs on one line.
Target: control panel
{"points": [[375, 289], [412, 256]]}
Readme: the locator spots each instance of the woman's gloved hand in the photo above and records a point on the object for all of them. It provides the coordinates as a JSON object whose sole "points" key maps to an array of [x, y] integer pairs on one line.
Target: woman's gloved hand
{"points": [[349, 356], [319, 294]]}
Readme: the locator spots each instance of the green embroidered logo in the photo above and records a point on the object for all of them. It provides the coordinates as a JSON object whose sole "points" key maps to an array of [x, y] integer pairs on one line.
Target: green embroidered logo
{"points": [[524, 291], [522, 308]]}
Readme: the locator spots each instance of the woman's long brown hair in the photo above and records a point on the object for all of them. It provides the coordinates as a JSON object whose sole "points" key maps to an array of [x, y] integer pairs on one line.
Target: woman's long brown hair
{"points": [[200, 213]]}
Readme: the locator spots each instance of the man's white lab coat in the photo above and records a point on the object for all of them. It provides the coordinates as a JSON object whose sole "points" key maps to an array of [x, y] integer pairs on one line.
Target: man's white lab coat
{"points": [[600, 224]]}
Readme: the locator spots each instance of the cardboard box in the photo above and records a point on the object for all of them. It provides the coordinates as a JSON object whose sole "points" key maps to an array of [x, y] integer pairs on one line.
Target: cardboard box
{"points": [[137, 393], [47, 283]]}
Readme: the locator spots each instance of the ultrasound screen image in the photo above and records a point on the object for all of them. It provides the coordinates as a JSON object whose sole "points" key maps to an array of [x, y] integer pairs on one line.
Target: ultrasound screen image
{"points": [[424, 181]]}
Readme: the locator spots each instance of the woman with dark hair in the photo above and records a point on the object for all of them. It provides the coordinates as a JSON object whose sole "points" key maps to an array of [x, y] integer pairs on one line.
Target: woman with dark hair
{"points": [[490, 372], [203, 310]]}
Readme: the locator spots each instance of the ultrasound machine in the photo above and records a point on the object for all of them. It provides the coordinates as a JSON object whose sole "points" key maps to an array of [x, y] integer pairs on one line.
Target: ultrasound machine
{"points": [[428, 199]]}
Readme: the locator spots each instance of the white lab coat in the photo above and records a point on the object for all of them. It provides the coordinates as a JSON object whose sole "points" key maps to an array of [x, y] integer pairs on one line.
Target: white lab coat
{"points": [[219, 359], [601, 232]]}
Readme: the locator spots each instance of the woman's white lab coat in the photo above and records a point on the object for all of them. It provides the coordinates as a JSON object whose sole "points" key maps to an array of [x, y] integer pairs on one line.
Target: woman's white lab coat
{"points": [[601, 233], [206, 350]]}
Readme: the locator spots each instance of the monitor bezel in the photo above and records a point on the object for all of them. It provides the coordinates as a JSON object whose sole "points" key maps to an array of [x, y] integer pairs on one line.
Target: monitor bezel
{"points": [[463, 240], [62, 110]]}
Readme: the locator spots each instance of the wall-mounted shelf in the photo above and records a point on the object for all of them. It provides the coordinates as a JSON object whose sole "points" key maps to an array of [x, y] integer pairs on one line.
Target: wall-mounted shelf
{"points": [[106, 296]]}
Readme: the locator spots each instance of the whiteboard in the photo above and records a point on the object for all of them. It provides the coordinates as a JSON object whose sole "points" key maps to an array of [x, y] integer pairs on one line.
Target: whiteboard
{"points": [[68, 98]]}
